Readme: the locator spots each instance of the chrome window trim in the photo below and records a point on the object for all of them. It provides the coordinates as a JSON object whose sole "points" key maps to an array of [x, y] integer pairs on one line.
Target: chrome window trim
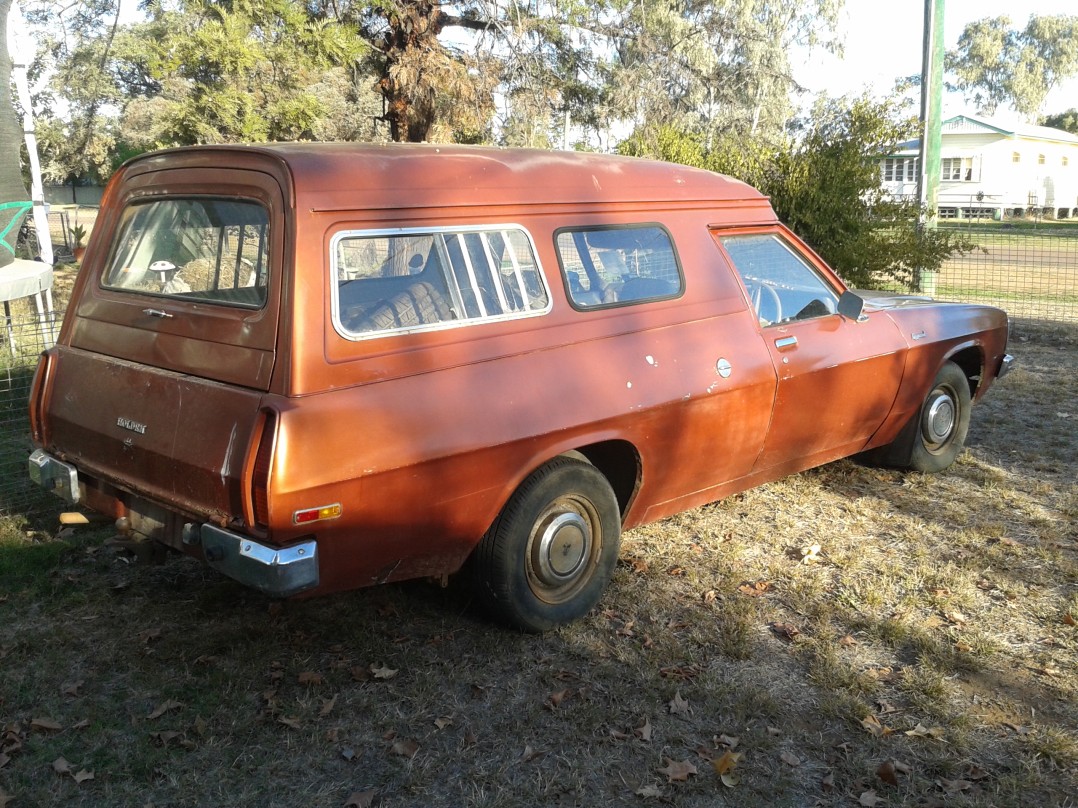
{"points": [[455, 292]]}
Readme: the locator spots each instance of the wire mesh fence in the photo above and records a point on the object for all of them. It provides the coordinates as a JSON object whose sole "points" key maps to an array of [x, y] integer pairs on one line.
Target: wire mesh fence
{"points": [[1031, 273]]}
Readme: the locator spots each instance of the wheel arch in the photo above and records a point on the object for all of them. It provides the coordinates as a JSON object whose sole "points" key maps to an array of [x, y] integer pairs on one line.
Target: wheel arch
{"points": [[619, 462], [970, 359]]}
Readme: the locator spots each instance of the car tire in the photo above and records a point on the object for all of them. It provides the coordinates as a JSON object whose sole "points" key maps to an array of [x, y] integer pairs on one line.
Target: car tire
{"points": [[550, 554], [933, 437]]}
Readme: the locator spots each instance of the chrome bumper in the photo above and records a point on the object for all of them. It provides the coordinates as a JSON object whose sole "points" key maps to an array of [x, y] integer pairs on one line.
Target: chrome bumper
{"points": [[54, 475], [276, 571], [1005, 365]]}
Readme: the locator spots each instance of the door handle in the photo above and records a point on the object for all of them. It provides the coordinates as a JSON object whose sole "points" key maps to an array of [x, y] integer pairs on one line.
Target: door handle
{"points": [[785, 342]]}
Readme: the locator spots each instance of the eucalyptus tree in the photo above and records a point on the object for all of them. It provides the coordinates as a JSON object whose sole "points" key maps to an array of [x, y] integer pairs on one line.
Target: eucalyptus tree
{"points": [[997, 65]]}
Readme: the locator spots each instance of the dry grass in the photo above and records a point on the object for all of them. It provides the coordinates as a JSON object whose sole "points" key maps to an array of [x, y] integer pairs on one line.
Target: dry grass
{"points": [[934, 630]]}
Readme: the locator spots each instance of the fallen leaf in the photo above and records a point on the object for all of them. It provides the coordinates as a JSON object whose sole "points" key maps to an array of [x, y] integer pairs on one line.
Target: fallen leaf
{"points": [[847, 641], [81, 724], [828, 782], [149, 635], [730, 741], [405, 748], [61, 766], [83, 775], [310, 678], [774, 732], [886, 707], [292, 722], [1068, 618], [976, 773], [382, 672], [754, 590], [649, 790], [790, 759], [954, 786], [678, 705], [868, 799], [643, 732], [442, 723], [71, 688], [963, 647], [4, 760], [529, 754], [730, 779], [361, 799], [955, 617], [348, 753], [678, 770], [45, 725], [726, 763], [920, 731], [786, 631], [638, 564], [886, 772], [873, 725], [164, 707], [710, 596], [555, 699], [618, 735], [327, 706], [1017, 728], [810, 554]]}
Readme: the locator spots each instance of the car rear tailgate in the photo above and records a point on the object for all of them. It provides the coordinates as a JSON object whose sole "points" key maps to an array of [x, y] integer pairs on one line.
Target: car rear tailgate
{"points": [[173, 438]]}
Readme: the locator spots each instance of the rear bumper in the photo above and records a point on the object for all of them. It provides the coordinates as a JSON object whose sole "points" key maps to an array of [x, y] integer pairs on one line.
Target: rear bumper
{"points": [[275, 571], [54, 475]]}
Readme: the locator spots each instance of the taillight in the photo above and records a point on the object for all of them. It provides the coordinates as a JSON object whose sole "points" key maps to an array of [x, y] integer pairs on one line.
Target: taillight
{"points": [[260, 470], [37, 398]]}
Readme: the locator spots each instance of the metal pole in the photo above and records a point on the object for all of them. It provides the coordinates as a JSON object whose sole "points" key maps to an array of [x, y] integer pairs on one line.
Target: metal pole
{"points": [[931, 111]]}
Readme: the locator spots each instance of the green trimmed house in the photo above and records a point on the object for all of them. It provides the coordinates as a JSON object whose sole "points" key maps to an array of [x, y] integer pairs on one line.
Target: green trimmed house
{"points": [[991, 170]]}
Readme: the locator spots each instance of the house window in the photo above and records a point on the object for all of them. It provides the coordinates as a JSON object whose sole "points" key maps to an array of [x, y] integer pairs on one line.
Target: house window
{"points": [[900, 169], [1016, 158], [958, 169], [1040, 159]]}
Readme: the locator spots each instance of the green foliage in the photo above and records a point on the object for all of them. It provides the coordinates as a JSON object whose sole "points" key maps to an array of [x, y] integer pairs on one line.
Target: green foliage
{"points": [[998, 65], [826, 187], [1067, 121]]}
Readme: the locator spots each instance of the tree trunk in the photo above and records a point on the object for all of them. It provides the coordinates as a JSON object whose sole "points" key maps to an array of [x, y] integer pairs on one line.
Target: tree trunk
{"points": [[407, 90], [12, 188]]}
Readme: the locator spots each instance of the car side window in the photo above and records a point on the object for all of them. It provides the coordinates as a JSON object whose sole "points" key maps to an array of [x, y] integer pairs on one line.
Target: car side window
{"points": [[782, 286], [618, 265], [421, 280]]}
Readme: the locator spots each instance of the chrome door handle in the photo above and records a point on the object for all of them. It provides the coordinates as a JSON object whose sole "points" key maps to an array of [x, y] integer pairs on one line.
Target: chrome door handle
{"points": [[785, 342]]}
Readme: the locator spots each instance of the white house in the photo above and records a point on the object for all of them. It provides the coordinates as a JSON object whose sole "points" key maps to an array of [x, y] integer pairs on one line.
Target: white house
{"points": [[991, 170]]}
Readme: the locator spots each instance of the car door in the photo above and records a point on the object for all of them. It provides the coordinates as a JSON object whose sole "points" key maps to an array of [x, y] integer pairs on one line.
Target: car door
{"points": [[837, 377]]}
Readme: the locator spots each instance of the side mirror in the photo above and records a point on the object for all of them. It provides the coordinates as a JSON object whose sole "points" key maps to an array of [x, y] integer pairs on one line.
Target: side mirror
{"points": [[851, 306]]}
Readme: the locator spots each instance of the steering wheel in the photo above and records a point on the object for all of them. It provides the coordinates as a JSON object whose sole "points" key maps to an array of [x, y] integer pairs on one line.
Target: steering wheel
{"points": [[758, 290]]}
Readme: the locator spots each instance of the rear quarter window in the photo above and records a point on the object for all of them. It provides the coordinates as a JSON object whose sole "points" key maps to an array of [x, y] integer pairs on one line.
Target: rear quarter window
{"points": [[416, 280], [200, 249], [613, 266]]}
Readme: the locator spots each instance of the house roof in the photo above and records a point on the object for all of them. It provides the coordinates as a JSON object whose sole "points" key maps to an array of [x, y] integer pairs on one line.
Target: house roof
{"points": [[973, 125]]}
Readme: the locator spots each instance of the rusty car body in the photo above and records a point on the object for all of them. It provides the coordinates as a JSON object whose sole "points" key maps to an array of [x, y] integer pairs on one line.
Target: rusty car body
{"points": [[325, 366]]}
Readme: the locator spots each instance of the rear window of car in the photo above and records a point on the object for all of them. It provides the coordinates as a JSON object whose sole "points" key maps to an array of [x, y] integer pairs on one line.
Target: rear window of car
{"points": [[412, 280], [619, 265], [199, 249]]}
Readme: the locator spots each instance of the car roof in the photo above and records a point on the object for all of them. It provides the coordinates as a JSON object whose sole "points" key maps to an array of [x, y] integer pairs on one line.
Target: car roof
{"points": [[332, 176]]}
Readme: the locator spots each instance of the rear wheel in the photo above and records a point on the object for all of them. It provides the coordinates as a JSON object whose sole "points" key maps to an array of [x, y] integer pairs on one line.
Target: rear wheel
{"points": [[934, 436], [548, 557]]}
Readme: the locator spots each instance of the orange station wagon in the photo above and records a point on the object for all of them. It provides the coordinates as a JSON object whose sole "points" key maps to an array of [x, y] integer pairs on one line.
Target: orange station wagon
{"points": [[325, 366]]}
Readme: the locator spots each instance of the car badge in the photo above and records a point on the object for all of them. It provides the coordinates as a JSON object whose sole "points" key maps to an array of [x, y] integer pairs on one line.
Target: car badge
{"points": [[131, 426]]}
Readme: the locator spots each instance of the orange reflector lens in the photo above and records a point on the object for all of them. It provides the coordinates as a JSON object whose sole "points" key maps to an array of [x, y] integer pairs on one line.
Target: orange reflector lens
{"points": [[317, 514]]}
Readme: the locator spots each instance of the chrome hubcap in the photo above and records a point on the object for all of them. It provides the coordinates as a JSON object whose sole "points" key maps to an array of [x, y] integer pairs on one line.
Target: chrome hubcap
{"points": [[938, 419], [561, 547]]}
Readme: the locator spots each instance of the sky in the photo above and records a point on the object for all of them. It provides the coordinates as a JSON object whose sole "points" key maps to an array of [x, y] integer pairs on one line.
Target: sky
{"points": [[883, 41]]}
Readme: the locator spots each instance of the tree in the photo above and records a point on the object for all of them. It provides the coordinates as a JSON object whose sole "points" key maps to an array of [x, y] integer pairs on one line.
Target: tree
{"points": [[826, 187], [998, 65], [11, 184], [714, 67], [1067, 121]]}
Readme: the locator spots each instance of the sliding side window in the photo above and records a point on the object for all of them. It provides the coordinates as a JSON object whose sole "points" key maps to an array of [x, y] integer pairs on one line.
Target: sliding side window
{"points": [[203, 250], [618, 265], [421, 280]]}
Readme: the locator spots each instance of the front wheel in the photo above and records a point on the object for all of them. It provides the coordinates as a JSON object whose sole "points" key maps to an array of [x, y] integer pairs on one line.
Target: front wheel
{"points": [[935, 434], [550, 553]]}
